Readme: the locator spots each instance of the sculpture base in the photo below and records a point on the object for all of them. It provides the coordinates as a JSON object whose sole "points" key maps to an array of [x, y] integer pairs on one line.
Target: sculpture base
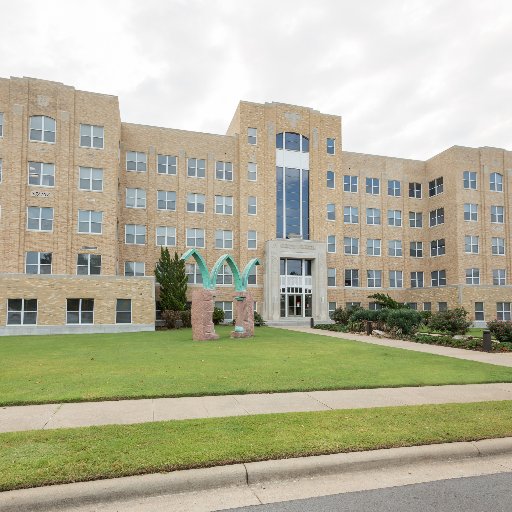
{"points": [[237, 335], [202, 311], [244, 314]]}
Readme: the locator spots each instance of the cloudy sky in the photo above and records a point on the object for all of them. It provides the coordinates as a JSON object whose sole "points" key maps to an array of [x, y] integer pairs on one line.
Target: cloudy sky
{"points": [[410, 78]]}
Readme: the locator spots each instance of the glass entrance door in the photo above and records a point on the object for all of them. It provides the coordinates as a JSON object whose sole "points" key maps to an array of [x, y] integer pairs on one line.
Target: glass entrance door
{"points": [[296, 288], [294, 305]]}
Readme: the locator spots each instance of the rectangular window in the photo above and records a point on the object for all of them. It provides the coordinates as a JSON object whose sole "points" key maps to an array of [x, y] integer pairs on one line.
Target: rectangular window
{"points": [[373, 186], [331, 146], [42, 129], [394, 188], [352, 277], [331, 277], [38, 262], [417, 280], [21, 311], [41, 174], [223, 239], [437, 247], [193, 274], [350, 214], [39, 218], [224, 205], [225, 276], [472, 276], [374, 278], [252, 279], [496, 182], [252, 136], [252, 171], [135, 161], [351, 245], [123, 311], [497, 214], [498, 246], [395, 218], [252, 239], [252, 205], [470, 212], [332, 308], [415, 219], [435, 187], [503, 311], [227, 307], [196, 168], [416, 249], [88, 264], [224, 171], [427, 306], [471, 244], [195, 203], [167, 164], [437, 217], [90, 222], [395, 248], [350, 183], [479, 311], [166, 200], [80, 311], [135, 198], [442, 306], [195, 237], [134, 268], [135, 234], [373, 247], [415, 190], [499, 277], [469, 180], [91, 179], [91, 136], [330, 179], [396, 279], [331, 243], [331, 211], [373, 216], [438, 278], [166, 236]]}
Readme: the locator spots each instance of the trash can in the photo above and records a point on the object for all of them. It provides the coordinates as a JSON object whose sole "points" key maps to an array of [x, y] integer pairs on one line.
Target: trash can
{"points": [[369, 327], [487, 342], [312, 322]]}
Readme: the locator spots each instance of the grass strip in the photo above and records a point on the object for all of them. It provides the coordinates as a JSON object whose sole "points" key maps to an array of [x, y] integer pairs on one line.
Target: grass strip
{"points": [[76, 368], [37, 458]]}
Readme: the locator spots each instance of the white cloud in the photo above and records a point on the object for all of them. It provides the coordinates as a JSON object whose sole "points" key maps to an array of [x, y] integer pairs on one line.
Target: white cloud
{"points": [[410, 78]]}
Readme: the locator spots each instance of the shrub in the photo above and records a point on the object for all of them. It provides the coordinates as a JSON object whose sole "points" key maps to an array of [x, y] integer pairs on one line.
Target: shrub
{"points": [[341, 316], [258, 319], [425, 317], [453, 321], [331, 327], [172, 319], [186, 318], [501, 330], [218, 316], [403, 321]]}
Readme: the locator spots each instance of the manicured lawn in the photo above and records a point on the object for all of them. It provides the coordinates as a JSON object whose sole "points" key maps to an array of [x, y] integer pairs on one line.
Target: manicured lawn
{"points": [[42, 369], [57, 456], [477, 332]]}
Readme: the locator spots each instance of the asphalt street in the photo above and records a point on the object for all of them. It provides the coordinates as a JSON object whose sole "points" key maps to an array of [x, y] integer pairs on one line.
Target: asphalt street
{"points": [[472, 494]]}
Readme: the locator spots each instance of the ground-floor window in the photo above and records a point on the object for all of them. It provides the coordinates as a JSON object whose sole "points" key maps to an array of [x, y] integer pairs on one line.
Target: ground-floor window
{"points": [[479, 311], [227, 307], [503, 311], [123, 311], [21, 311], [332, 308], [351, 305], [80, 311], [442, 306], [427, 306], [413, 305]]}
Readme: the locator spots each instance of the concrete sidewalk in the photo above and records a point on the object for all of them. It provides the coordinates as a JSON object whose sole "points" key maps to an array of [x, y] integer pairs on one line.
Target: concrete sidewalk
{"points": [[499, 359], [51, 416]]}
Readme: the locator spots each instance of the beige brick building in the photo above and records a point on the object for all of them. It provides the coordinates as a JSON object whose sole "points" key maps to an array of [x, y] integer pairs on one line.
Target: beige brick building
{"points": [[87, 201]]}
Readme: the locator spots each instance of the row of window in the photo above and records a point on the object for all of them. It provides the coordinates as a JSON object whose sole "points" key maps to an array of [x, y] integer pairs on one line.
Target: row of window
{"points": [[78, 311], [394, 187], [394, 217], [437, 247], [396, 278], [503, 309]]}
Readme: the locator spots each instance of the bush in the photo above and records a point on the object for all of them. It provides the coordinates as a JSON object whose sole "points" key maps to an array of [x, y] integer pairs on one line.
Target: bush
{"points": [[501, 330], [453, 321], [341, 316], [258, 319], [172, 319], [426, 316], [403, 321], [218, 316], [331, 327], [186, 318]]}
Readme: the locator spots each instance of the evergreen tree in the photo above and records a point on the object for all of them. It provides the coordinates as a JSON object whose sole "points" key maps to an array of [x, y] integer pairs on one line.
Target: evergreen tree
{"points": [[170, 273]]}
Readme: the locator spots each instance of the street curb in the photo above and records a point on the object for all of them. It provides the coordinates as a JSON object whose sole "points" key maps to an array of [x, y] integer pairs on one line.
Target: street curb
{"points": [[57, 497]]}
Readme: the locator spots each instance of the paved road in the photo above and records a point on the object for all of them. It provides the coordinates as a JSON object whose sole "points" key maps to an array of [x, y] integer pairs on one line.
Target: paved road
{"points": [[475, 494]]}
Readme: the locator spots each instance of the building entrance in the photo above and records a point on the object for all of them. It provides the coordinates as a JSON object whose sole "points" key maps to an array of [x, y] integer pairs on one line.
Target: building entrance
{"points": [[296, 288]]}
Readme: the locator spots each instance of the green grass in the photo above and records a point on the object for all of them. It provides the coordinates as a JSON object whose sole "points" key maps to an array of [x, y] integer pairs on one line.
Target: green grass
{"points": [[38, 458], [477, 332], [43, 369]]}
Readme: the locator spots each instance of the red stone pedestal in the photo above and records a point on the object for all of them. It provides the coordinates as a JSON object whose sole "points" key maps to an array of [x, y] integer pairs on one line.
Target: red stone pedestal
{"points": [[202, 311], [244, 314]]}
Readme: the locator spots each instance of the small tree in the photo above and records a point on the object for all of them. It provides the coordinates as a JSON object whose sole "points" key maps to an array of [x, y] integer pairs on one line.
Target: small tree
{"points": [[170, 273], [385, 301]]}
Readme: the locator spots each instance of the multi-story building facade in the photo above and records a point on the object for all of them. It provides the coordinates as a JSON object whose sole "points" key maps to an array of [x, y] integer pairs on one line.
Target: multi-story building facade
{"points": [[87, 201]]}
